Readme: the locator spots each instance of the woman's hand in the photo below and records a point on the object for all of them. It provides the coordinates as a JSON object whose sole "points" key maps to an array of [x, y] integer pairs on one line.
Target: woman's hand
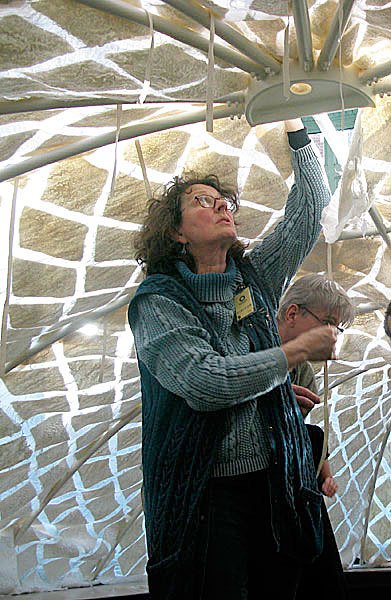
{"points": [[316, 344], [293, 125]]}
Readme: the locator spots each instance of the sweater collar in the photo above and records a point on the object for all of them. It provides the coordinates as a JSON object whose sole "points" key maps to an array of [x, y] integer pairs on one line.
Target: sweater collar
{"points": [[211, 287]]}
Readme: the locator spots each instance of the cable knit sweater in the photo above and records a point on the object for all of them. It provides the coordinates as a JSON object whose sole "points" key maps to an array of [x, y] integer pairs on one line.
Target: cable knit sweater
{"points": [[231, 381]]}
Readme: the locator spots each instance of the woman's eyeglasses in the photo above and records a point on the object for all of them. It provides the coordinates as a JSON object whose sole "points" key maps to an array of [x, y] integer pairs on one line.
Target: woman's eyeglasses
{"points": [[210, 202], [322, 321]]}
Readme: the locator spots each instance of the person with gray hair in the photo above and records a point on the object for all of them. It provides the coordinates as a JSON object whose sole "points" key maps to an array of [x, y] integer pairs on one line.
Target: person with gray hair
{"points": [[316, 298], [310, 301]]}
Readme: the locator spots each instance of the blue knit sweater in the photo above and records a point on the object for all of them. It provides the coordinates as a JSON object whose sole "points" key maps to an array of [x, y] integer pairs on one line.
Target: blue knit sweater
{"points": [[231, 382]]}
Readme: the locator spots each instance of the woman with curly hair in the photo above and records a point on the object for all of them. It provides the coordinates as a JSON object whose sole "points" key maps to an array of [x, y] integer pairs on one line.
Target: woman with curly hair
{"points": [[230, 491], [387, 321]]}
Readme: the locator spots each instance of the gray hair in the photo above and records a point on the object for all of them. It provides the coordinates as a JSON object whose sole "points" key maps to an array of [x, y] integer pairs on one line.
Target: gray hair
{"points": [[316, 291]]}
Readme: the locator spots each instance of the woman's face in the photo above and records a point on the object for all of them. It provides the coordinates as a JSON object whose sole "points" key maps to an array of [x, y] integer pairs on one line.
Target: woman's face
{"points": [[203, 228]]}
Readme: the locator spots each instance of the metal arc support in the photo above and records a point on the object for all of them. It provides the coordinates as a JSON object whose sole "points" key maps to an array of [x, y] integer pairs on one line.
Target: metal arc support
{"points": [[126, 133], [332, 41], [182, 34], [227, 33]]}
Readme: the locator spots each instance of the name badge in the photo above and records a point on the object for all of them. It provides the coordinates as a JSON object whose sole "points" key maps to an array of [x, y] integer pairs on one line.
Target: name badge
{"points": [[244, 305]]}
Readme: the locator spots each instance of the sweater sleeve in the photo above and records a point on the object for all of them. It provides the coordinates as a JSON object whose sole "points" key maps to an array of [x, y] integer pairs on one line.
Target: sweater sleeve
{"points": [[278, 257], [177, 350], [298, 139]]}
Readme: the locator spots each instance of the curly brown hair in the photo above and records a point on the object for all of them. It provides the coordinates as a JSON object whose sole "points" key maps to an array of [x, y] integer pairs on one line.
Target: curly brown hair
{"points": [[156, 249], [387, 321]]}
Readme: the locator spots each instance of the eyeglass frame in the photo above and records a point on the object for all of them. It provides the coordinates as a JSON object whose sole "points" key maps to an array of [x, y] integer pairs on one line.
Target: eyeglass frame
{"points": [[322, 322], [227, 201]]}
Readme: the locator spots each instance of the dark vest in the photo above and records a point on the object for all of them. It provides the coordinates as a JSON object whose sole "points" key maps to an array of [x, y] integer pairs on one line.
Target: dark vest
{"points": [[179, 444]]}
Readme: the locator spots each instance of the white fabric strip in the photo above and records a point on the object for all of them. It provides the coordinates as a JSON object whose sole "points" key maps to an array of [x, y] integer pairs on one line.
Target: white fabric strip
{"points": [[3, 344], [113, 178], [325, 417], [210, 77], [330, 262], [147, 77], [143, 169], [340, 18], [104, 352], [286, 79], [326, 425]]}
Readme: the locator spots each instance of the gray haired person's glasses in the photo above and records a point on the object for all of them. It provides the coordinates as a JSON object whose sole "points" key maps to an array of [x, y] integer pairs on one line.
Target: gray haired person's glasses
{"points": [[210, 202], [321, 321]]}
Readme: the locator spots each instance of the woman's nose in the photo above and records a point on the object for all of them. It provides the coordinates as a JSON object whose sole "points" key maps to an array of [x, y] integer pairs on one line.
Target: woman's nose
{"points": [[221, 204]]}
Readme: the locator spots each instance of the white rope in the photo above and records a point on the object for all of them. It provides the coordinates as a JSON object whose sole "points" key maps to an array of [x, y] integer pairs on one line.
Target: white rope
{"points": [[210, 76], [326, 424], [325, 418]]}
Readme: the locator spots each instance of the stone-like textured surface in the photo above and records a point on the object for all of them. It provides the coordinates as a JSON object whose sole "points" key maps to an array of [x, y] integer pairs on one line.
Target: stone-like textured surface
{"points": [[87, 76], [31, 315], [23, 44], [96, 399], [204, 161], [174, 143], [50, 432], [9, 144], [384, 274], [100, 278], [89, 303], [274, 142], [86, 372], [14, 452], [34, 381], [30, 408], [51, 235], [128, 202], [266, 188], [37, 279], [108, 118], [75, 185], [78, 344], [113, 244], [102, 27], [16, 88], [251, 222]]}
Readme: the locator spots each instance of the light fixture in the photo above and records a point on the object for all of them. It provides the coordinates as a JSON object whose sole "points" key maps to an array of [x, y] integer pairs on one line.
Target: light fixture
{"points": [[312, 93], [301, 88]]}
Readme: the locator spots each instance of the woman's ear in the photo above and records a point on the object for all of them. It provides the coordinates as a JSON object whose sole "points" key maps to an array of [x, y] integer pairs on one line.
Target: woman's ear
{"points": [[178, 237]]}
